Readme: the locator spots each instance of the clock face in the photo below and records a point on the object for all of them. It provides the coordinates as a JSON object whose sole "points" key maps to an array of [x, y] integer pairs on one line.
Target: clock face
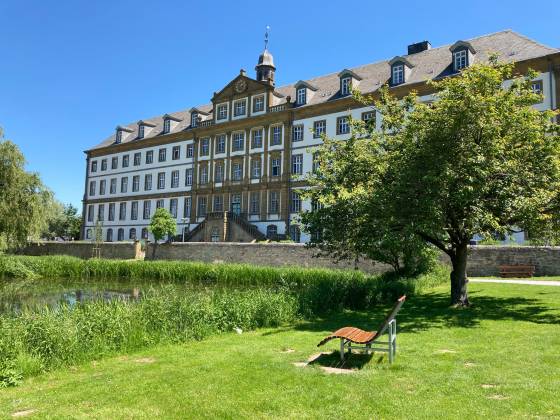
{"points": [[240, 86]]}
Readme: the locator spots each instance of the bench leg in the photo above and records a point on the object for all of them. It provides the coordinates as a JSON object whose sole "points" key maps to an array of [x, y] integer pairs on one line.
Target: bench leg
{"points": [[342, 349]]}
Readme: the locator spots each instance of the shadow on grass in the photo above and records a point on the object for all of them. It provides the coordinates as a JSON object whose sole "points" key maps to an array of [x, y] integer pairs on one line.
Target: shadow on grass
{"points": [[432, 310], [352, 361]]}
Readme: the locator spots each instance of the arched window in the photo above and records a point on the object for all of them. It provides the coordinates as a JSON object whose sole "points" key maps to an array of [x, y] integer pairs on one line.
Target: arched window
{"points": [[144, 233], [132, 234], [120, 234], [272, 232], [109, 235], [295, 234]]}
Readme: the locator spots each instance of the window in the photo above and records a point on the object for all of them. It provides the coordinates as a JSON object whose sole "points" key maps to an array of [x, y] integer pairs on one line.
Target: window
{"points": [[124, 184], [205, 147], [174, 179], [188, 177], [147, 182], [132, 234], [204, 174], [187, 207], [194, 119], [140, 131], [238, 140], [114, 163], [93, 166], [256, 168], [176, 152], [239, 108], [92, 188], [222, 112], [345, 86], [134, 210], [272, 232], [137, 158], [135, 183], [159, 203], [101, 212], [162, 155], [295, 233], [275, 167], [102, 187], [315, 165], [342, 125], [122, 210], [369, 118], [236, 203], [398, 74], [537, 87], [255, 203], [297, 164], [88, 233], [120, 234], [257, 139], [276, 135], [109, 235], [173, 207], [301, 96], [149, 157], [295, 202], [113, 186], [146, 211], [319, 128], [297, 132], [460, 60], [103, 164], [144, 233], [218, 203], [190, 150], [258, 103], [125, 160], [161, 180], [118, 137], [274, 202], [219, 172], [236, 171], [111, 212], [201, 211], [221, 143], [215, 235], [166, 126], [315, 205]]}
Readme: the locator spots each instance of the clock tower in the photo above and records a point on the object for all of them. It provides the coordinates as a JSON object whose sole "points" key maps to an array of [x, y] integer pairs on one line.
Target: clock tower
{"points": [[265, 67]]}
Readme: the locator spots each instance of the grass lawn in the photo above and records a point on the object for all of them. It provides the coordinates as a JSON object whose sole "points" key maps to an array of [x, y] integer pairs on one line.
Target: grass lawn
{"points": [[500, 358], [539, 278]]}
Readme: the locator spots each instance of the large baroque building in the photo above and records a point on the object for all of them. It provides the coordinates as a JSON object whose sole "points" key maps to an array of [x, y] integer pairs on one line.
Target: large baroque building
{"points": [[230, 170]]}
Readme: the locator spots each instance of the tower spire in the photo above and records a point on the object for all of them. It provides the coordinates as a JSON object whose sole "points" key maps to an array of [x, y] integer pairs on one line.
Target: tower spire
{"points": [[265, 66], [266, 37]]}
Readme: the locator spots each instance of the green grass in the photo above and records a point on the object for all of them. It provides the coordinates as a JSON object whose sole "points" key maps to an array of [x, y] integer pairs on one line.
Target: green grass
{"points": [[539, 278], [498, 359]]}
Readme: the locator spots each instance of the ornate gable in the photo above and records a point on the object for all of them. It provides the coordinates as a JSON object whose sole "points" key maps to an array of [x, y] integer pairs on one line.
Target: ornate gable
{"points": [[240, 87]]}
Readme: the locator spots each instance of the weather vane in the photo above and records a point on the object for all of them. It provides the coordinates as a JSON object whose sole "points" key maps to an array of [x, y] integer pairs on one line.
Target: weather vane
{"points": [[266, 37]]}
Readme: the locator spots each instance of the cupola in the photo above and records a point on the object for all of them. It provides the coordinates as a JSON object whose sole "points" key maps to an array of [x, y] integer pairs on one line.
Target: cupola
{"points": [[265, 67]]}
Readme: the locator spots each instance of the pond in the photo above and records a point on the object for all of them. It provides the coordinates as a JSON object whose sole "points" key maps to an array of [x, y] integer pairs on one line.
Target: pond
{"points": [[19, 295]]}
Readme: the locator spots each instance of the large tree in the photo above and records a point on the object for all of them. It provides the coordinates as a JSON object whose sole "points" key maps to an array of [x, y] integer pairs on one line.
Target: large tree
{"points": [[162, 224], [63, 221], [479, 159], [23, 198]]}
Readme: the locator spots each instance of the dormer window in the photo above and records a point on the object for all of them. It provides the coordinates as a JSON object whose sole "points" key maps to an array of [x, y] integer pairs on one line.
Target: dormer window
{"points": [[166, 126], [345, 86], [398, 74], [118, 137], [462, 55], [301, 96], [460, 59], [140, 131], [194, 119]]}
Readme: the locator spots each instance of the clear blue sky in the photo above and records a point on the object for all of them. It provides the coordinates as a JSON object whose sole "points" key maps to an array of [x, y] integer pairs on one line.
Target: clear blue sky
{"points": [[71, 70]]}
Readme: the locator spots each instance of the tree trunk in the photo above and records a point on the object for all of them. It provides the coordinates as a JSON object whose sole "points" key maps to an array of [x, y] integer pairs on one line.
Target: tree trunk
{"points": [[154, 250], [459, 280]]}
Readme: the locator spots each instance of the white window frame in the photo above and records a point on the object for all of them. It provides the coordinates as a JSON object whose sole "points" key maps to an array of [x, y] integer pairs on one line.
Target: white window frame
{"points": [[175, 179], [276, 137], [203, 175], [258, 99], [221, 143], [398, 74], [188, 177], [236, 171], [222, 112], [345, 85], [301, 96], [257, 134], [297, 133], [297, 164], [166, 126], [256, 168], [243, 106], [460, 59], [236, 138]]}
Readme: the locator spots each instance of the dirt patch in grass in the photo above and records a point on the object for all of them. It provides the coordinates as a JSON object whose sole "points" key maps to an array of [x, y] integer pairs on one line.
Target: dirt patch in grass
{"points": [[144, 360], [23, 413]]}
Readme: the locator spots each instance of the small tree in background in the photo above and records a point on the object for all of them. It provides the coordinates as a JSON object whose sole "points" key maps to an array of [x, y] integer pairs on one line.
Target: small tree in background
{"points": [[162, 225]]}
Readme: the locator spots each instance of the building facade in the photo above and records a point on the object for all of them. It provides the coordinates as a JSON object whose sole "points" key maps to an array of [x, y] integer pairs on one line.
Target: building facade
{"points": [[231, 170]]}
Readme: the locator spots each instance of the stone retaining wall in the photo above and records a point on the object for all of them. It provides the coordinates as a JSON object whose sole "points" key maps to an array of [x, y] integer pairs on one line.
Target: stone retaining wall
{"points": [[84, 249], [486, 260]]}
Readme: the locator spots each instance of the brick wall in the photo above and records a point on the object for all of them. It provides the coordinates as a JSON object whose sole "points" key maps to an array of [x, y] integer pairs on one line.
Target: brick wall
{"points": [[83, 249]]}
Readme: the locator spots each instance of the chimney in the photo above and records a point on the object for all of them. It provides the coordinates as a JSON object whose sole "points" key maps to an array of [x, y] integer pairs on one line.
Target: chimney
{"points": [[419, 47]]}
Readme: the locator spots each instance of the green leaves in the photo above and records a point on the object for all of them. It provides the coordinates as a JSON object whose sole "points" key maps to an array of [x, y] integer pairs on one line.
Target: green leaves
{"points": [[162, 224]]}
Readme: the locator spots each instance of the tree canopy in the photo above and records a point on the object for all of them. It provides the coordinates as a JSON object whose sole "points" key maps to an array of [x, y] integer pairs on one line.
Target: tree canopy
{"points": [[162, 224], [23, 198], [478, 159]]}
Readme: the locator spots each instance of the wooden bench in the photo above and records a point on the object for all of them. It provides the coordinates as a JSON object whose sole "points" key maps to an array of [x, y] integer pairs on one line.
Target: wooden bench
{"points": [[517, 270]]}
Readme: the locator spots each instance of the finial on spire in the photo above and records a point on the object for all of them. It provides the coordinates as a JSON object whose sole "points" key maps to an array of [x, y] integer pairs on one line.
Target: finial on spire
{"points": [[266, 37]]}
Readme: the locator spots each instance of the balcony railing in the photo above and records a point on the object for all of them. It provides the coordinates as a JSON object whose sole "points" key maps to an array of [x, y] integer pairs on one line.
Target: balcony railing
{"points": [[277, 108]]}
